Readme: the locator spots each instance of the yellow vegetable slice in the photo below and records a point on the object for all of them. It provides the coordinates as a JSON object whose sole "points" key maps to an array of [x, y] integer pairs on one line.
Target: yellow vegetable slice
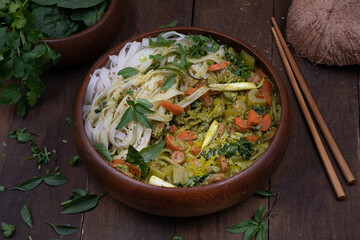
{"points": [[154, 180], [234, 86], [210, 134]]}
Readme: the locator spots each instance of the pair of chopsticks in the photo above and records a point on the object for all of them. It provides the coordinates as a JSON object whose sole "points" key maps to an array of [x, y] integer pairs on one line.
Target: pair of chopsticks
{"points": [[291, 69]]}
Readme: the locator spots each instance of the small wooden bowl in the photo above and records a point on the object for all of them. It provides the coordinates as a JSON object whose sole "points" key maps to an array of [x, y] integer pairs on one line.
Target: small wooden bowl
{"points": [[195, 201], [92, 41]]}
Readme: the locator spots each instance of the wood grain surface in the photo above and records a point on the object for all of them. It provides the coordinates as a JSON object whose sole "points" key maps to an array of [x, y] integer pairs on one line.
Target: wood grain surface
{"points": [[307, 208]]}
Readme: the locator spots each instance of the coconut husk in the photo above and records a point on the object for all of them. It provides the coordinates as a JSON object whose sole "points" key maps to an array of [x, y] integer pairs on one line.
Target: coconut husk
{"points": [[325, 31]]}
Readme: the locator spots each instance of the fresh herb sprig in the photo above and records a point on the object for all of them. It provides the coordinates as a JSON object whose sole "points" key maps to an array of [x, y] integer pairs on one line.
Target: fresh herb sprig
{"points": [[137, 109], [63, 229], [257, 225], [53, 180], [81, 202], [202, 46], [171, 24], [7, 229], [160, 41]]}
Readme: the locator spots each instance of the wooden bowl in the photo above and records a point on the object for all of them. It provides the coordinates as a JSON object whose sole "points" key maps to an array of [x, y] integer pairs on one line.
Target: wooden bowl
{"points": [[92, 41], [195, 201]]}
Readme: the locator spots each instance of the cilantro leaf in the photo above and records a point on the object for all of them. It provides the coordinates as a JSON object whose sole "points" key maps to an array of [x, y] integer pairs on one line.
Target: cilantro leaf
{"points": [[7, 229], [21, 136], [11, 94]]}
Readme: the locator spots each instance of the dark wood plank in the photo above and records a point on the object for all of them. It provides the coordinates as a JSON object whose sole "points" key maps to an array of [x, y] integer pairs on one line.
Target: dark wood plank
{"points": [[116, 220], [308, 208]]}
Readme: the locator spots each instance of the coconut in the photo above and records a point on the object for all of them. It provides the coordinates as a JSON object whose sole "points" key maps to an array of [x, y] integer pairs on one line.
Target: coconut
{"points": [[325, 31]]}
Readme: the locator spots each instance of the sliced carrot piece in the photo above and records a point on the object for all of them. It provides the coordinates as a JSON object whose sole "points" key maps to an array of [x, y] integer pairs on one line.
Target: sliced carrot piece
{"points": [[266, 87], [208, 101], [175, 109], [195, 150], [187, 135], [253, 118], [252, 138], [134, 171], [221, 129], [178, 157], [160, 83], [175, 144], [190, 91], [260, 73], [265, 123], [216, 177], [223, 164], [173, 129], [218, 66], [241, 124], [266, 96]]}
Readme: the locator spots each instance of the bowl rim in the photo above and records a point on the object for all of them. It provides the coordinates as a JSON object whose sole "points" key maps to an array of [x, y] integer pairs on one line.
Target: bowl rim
{"points": [[110, 9], [284, 123]]}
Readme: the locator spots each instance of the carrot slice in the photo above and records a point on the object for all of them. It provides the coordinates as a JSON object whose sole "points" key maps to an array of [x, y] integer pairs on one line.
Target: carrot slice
{"points": [[221, 129], [208, 101], [187, 135], [241, 124], [265, 123], [252, 138], [260, 73], [218, 66], [266, 87], [266, 96], [223, 164], [134, 171], [160, 83], [195, 150], [173, 129], [178, 157], [175, 109], [190, 91], [253, 118], [175, 144]]}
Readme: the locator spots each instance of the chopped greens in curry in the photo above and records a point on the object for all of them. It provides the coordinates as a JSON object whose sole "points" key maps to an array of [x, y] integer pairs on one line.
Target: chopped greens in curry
{"points": [[181, 110]]}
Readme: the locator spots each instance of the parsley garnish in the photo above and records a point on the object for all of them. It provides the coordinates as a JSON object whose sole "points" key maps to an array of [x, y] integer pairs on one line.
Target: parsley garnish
{"points": [[241, 148], [202, 45]]}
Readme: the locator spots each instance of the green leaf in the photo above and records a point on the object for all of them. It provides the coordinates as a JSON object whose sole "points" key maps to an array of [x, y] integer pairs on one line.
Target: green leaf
{"points": [[7, 229], [265, 193], [55, 180], [259, 214], [11, 94], [45, 2], [103, 151], [145, 102], [261, 235], [63, 229], [160, 42], [81, 204], [21, 136], [157, 57], [68, 121], [178, 237], [151, 152], [128, 72], [89, 15], [250, 232], [75, 4], [240, 227], [168, 82], [142, 119], [2, 188], [172, 24], [140, 108], [134, 157], [75, 160], [25, 214], [21, 107], [29, 184], [126, 118]]}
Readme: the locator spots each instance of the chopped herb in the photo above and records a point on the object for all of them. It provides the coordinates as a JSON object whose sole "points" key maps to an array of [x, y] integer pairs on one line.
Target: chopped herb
{"points": [[68, 121], [128, 72], [2, 188], [178, 237], [57, 168], [202, 45], [64, 141], [25, 214], [63, 229], [160, 42], [81, 204], [7, 229], [97, 110], [241, 148], [21, 135], [4, 144], [74, 160], [157, 57], [172, 24], [238, 65], [258, 109], [103, 151]]}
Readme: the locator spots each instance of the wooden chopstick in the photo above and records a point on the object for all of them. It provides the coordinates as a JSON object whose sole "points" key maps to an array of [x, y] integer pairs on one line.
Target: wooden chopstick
{"points": [[340, 194], [322, 124]]}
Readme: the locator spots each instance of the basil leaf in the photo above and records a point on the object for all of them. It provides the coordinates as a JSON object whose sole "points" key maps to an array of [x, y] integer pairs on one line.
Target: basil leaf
{"points": [[151, 152], [63, 229], [265, 193], [168, 82], [81, 204], [240, 227], [55, 180], [172, 24], [141, 118], [145, 102], [80, 192], [89, 15], [134, 157], [2, 188], [128, 72], [261, 235], [178, 237], [259, 213], [74, 4], [140, 108], [170, 68], [160, 42], [157, 57], [7, 229], [25, 214], [103, 151], [250, 232], [126, 118], [29, 184]]}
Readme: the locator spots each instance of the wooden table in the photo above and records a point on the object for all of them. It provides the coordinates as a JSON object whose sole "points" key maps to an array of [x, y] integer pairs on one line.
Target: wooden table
{"points": [[307, 208]]}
